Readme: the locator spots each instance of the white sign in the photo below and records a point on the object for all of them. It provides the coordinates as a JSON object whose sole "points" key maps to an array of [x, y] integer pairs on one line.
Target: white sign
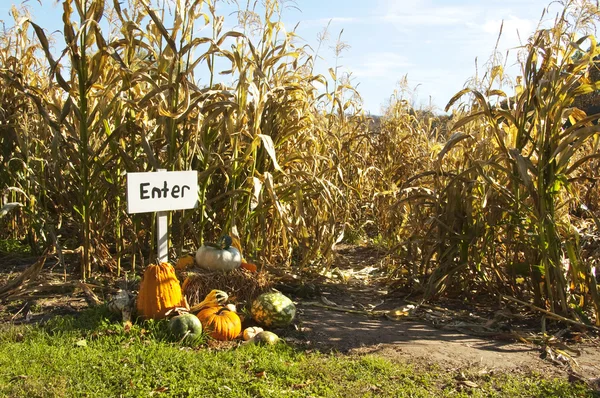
{"points": [[161, 191]]}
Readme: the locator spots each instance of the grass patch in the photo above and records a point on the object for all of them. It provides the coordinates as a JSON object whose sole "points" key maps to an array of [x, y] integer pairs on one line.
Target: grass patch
{"points": [[13, 246], [91, 356]]}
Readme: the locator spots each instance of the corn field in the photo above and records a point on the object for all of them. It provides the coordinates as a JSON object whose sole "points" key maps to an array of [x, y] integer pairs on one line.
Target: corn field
{"points": [[501, 197]]}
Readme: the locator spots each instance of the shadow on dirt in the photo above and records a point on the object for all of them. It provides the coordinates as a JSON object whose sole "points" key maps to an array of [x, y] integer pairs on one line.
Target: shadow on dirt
{"points": [[335, 316]]}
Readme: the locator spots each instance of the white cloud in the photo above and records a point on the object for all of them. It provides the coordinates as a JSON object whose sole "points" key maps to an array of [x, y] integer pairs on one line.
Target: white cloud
{"points": [[423, 13], [380, 65], [322, 22], [403, 6], [515, 31], [405, 20]]}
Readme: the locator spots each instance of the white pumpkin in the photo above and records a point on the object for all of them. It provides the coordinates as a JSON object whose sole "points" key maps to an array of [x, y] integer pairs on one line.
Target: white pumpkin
{"points": [[221, 258], [251, 331]]}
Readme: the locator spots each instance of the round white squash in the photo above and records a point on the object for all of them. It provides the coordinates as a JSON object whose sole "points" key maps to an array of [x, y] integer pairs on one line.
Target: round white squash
{"points": [[251, 332], [215, 259]]}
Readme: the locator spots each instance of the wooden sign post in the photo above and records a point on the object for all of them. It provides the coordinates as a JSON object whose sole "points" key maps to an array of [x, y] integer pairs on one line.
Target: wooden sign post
{"points": [[162, 191]]}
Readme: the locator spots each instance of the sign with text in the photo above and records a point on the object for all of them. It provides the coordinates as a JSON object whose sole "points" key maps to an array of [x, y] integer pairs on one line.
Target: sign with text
{"points": [[161, 191]]}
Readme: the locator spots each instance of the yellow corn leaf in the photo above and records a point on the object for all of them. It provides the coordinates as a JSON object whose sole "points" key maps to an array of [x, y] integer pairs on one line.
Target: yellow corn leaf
{"points": [[269, 146]]}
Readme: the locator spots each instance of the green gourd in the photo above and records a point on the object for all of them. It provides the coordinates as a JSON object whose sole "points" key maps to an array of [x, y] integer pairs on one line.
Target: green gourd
{"points": [[264, 338], [273, 309], [186, 326]]}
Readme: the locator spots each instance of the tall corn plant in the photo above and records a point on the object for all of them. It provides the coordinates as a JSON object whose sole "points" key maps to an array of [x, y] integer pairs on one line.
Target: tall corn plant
{"points": [[279, 186], [22, 133], [122, 96], [163, 96], [78, 111], [536, 154]]}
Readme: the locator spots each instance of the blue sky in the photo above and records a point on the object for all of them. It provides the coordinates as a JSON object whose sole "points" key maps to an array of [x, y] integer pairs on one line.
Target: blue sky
{"points": [[434, 43]]}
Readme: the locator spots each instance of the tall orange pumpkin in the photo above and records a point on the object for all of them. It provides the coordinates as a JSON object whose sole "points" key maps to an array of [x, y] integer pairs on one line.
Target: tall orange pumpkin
{"points": [[220, 322], [159, 292]]}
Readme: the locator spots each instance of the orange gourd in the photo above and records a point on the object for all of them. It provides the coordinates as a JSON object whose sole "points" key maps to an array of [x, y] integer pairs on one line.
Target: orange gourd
{"points": [[184, 263], [159, 292], [221, 323], [249, 266]]}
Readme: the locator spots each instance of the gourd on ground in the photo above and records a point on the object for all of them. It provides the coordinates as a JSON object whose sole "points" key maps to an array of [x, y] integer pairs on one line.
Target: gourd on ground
{"points": [[264, 338], [184, 262], [249, 266], [273, 309], [220, 323], [159, 292], [219, 257], [251, 331], [185, 326]]}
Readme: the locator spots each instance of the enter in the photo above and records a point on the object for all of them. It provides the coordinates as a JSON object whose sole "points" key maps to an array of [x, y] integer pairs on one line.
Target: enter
{"points": [[175, 192]]}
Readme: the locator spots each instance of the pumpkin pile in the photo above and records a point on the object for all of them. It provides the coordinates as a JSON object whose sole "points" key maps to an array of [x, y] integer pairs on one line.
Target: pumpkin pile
{"points": [[272, 309], [161, 296], [221, 266], [221, 322]]}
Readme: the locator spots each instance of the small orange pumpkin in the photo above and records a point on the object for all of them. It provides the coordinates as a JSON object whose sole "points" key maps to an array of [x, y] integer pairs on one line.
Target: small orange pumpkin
{"points": [[159, 292], [249, 266], [184, 263], [221, 323]]}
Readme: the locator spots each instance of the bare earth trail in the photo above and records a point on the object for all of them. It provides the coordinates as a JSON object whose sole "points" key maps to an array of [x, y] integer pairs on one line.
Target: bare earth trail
{"points": [[331, 319]]}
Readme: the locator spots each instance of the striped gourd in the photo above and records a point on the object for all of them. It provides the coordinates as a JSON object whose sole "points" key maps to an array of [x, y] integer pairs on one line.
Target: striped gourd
{"points": [[273, 309]]}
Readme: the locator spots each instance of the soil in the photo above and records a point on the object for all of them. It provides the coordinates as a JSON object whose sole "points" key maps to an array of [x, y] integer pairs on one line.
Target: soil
{"points": [[347, 310], [335, 315]]}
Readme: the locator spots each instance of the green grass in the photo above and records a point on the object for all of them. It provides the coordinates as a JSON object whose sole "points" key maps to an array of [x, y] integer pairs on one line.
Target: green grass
{"points": [[93, 357], [13, 246]]}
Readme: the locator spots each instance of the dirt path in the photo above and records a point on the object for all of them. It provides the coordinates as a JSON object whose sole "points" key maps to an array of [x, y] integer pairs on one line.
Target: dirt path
{"points": [[426, 338], [421, 342]]}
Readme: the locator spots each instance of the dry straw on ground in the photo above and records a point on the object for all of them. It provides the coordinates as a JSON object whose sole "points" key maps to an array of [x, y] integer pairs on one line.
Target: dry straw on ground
{"points": [[241, 285]]}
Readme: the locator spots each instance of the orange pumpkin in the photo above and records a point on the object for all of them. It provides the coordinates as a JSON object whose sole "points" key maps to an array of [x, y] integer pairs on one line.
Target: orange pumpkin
{"points": [[249, 266], [184, 263], [159, 292], [221, 323]]}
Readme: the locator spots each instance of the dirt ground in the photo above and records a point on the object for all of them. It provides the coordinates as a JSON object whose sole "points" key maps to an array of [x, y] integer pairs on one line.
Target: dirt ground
{"points": [[334, 317], [350, 310], [421, 342]]}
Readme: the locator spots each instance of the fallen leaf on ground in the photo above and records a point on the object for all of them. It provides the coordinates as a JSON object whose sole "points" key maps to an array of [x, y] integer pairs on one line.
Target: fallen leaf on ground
{"points": [[326, 301], [468, 383], [300, 386], [159, 390], [261, 374]]}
